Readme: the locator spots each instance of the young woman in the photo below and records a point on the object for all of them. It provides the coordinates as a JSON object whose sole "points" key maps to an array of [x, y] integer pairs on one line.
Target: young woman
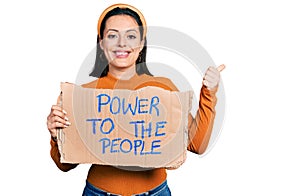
{"points": [[121, 64]]}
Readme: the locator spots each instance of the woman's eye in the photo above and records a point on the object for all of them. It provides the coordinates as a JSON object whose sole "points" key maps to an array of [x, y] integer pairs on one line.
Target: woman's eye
{"points": [[111, 36], [131, 36]]}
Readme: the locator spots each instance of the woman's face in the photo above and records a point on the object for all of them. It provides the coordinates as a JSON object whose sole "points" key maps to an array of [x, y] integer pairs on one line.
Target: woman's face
{"points": [[121, 41]]}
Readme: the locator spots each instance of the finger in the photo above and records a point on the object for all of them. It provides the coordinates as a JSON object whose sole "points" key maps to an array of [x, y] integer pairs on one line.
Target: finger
{"points": [[221, 67], [212, 72], [58, 113], [210, 77], [56, 107], [56, 125], [210, 85], [59, 119]]}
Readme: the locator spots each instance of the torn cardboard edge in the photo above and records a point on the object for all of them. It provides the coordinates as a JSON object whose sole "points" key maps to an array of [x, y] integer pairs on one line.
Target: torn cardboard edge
{"points": [[145, 128]]}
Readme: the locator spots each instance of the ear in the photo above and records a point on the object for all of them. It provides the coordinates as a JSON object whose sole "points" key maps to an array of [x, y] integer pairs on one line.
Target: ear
{"points": [[101, 44], [142, 45]]}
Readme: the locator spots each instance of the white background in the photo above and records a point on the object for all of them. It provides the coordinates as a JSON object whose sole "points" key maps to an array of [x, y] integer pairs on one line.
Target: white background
{"points": [[44, 42]]}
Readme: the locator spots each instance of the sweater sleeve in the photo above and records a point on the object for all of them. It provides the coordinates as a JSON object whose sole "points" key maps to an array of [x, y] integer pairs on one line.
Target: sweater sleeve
{"points": [[200, 127], [55, 155]]}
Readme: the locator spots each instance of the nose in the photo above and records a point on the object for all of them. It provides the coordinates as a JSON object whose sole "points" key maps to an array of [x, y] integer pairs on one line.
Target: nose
{"points": [[122, 41]]}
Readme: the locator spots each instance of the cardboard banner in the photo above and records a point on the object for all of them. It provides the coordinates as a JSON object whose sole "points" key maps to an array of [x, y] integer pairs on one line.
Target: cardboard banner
{"points": [[145, 128]]}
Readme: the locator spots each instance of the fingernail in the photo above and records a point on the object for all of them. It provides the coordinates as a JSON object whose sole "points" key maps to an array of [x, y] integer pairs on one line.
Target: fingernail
{"points": [[66, 118], [64, 111], [68, 123]]}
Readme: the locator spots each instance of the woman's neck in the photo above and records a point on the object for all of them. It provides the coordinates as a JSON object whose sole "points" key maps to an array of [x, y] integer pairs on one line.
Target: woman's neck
{"points": [[122, 73]]}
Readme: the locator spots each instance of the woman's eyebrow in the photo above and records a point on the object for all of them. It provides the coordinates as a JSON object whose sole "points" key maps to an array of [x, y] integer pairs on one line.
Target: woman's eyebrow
{"points": [[112, 30], [115, 30], [131, 30]]}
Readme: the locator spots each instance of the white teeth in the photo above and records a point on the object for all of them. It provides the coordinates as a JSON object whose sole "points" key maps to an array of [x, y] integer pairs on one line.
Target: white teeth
{"points": [[121, 53]]}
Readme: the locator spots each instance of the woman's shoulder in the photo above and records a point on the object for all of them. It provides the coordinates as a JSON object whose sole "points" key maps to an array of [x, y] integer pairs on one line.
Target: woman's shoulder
{"points": [[159, 81], [92, 84], [168, 82]]}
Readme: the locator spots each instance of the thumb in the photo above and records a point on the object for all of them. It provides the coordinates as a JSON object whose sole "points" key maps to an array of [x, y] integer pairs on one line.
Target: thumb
{"points": [[221, 67]]}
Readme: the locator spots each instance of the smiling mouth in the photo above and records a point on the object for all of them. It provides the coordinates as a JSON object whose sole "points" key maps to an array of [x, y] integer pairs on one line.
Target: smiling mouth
{"points": [[121, 54]]}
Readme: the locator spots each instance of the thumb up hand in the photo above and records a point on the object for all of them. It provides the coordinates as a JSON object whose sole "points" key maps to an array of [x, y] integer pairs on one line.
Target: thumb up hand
{"points": [[212, 77]]}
